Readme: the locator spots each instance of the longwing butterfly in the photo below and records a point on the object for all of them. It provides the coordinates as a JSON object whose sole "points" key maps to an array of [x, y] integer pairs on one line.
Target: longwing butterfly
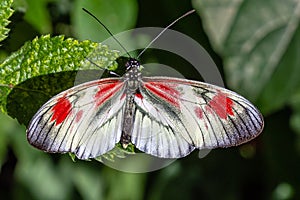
{"points": [[162, 116]]}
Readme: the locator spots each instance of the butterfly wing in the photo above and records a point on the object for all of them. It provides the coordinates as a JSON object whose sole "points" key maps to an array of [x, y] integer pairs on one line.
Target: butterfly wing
{"points": [[85, 120], [174, 116]]}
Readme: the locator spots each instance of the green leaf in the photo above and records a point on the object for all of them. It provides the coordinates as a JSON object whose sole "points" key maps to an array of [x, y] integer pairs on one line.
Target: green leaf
{"points": [[47, 55], [253, 38], [5, 13], [38, 16], [117, 15], [284, 83]]}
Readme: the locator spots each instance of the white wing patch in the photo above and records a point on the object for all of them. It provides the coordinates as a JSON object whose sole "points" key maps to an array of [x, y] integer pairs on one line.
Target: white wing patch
{"points": [[154, 130], [85, 119]]}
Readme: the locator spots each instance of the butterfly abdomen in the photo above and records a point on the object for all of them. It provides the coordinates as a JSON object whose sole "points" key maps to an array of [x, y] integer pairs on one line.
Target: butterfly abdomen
{"points": [[129, 114]]}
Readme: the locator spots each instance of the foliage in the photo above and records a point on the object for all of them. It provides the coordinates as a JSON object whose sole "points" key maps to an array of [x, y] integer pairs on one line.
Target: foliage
{"points": [[5, 13], [256, 44], [42, 56]]}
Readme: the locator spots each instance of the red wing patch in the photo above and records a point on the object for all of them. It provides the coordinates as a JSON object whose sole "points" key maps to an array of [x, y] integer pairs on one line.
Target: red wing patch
{"points": [[221, 105], [61, 110], [78, 116], [199, 112], [164, 91], [106, 91], [139, 95]]}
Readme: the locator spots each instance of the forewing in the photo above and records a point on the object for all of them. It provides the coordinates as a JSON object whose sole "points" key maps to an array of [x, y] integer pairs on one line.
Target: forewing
{"points": [[174, 116], [85, 120]]}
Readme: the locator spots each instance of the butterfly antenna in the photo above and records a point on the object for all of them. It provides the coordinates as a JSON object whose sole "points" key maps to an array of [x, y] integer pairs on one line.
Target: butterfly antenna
{"points": [[110, 33], [176, 20]]}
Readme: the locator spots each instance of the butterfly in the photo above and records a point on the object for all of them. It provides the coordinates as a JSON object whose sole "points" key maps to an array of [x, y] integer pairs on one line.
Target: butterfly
{"points": [[162, 116]]}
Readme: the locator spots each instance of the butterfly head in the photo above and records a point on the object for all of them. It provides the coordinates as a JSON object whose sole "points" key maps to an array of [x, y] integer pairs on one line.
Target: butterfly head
{"points": [[132, 64]]}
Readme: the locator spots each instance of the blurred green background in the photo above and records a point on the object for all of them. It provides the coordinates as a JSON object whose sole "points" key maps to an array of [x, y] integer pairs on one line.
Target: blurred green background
{"points": [[255, 44]]}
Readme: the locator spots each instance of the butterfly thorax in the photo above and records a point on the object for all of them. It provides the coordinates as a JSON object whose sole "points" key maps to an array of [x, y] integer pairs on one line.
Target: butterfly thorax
{"points": [[132, 78]]}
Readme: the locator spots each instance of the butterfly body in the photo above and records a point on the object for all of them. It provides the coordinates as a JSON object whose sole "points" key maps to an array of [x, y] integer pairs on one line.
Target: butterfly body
{"points": [[132, 77], [162, 116]]}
